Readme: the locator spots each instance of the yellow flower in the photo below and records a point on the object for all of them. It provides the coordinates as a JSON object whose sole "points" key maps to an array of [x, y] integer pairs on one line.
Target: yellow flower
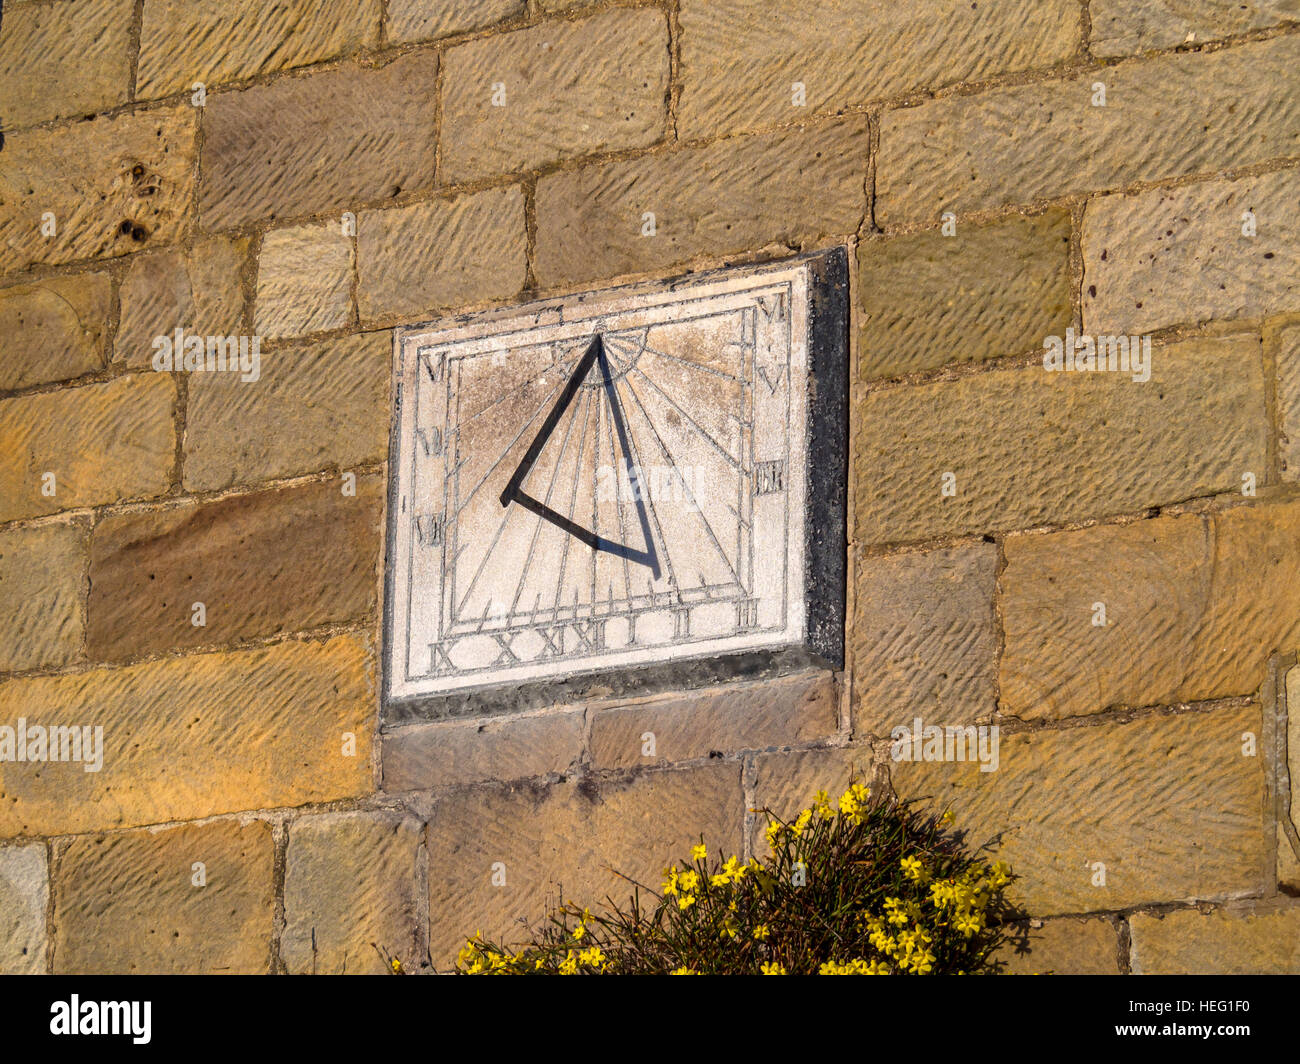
{"points": [[853, 801], [593, 957], [822, 804], [761, 932], [922, 963], [684, 971], [579, 931], [772, 968], [774, 830], [855, 967], [699, 853], [798, 826], [689, 880], [882, 941], [569, 966], [686, 901], [943, 894], [912, 868], [397, 966], [732, 870]]}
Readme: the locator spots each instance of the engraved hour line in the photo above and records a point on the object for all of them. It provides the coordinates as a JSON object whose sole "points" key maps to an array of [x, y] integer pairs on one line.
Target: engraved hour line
{"points": [[744, 499], [449, 490], [573, 499], [636, 461], [564, 371], [694, 502], [618, 509], [694, 365], [505, 453], [637, 346], [537, 530], [698, 427], [506, 517], [595, 506], [634, 468]]}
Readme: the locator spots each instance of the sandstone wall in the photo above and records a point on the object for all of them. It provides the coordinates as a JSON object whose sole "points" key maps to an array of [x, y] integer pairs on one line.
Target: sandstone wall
{"points": [[342, 172]]}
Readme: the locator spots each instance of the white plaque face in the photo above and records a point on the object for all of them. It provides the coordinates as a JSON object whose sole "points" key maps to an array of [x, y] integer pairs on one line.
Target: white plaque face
{"points": [[610, 480]]}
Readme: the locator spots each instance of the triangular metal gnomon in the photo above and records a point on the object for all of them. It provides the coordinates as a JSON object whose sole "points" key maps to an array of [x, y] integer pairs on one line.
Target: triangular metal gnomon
{"points": [[514, 492]]}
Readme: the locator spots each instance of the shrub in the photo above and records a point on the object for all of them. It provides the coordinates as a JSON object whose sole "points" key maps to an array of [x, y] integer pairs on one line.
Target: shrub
{"points": [[873, 886]]}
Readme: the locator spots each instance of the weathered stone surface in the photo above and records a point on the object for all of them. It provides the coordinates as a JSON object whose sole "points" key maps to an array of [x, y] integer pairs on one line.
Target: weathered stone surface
{"points": [[741, 60], [24, 897], [422, 20], [195, 736], [102, 442], [1286, 350], [923, 638], [54, 329], [199, 290], [184, 41], [304, 281], [312, 407], [1179, 625], [1179, 256], [434, 756], [275, 561], [64, 59], [1169, 805], [726, 720], [352, 879], [1062, 947], [992, 290], [785, 783], [326, 141], [1029, 447], [571, 89], [1024, 143], [444, 253], [1232, 941], [42, 571], [737, 195], [565, 842], [1123, 27], [129, 903], [113, 185]]}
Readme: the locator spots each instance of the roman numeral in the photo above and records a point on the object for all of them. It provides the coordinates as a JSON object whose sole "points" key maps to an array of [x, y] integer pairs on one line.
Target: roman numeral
{"points": [[769, 477], [430, 529], [773, 308], [430, 440]]}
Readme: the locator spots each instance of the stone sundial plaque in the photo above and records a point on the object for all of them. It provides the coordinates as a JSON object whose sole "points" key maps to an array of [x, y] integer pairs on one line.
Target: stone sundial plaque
{"points": [[617, 480]]}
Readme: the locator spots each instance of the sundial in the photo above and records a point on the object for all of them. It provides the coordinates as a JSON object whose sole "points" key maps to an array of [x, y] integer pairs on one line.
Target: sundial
{"points": [[618, 480]]}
